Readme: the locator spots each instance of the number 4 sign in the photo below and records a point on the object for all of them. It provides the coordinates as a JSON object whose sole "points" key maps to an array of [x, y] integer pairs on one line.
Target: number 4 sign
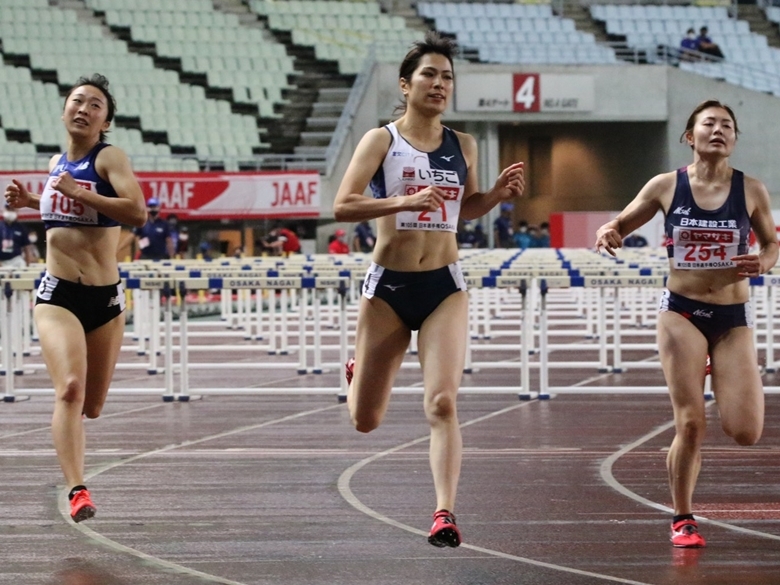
{"points": [[525, 92]]}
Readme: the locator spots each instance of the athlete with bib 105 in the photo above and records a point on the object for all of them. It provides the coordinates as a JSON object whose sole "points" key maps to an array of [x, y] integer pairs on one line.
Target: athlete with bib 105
{"points": [[90, 191], [710, 209], [423, 177]]}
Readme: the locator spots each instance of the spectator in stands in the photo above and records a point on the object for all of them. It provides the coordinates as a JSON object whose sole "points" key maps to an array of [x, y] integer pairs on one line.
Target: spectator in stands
{"points": [[173, 228], [480, 239], [522, 236], [705, 309], [502, 227], [205, 250], [634, 241], [281, 241], [467, 236], [79, 309], [415, 282], [689, 46], [338, 243], [153, 240], [183, 242], [16, 250], [543, 236], [364, 238], [706, 46]]}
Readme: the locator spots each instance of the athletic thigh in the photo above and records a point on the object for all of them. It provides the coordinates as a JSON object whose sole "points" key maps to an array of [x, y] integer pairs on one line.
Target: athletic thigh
{"points": [[380, 345], [683, 352], [736, 383], [442, 345], [63, 345], [103, 346]]}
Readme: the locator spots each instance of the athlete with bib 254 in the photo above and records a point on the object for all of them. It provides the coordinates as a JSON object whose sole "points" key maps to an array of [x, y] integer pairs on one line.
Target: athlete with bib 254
{"points": [[423, 177], [91, 190], [710, 209]]}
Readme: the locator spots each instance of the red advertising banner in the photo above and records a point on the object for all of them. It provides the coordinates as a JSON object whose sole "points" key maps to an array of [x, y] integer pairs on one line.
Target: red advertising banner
{"points": [[210, 196]]}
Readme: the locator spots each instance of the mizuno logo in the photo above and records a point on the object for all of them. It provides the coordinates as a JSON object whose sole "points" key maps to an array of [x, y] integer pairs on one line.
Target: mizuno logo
{"points": [[682, 211], [448, 158], [394, 287]]}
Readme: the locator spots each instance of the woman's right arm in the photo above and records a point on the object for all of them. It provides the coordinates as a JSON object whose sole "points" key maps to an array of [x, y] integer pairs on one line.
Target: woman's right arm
{"points": [[350, 205], [636, 214], [17, 195]]}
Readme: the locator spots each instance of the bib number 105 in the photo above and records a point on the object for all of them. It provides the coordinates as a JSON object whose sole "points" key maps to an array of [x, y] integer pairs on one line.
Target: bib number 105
{"points": [[62, 205]]}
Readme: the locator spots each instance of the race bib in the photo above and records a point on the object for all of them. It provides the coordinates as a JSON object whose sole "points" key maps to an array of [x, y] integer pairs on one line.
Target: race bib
{"points": [[57, 207], [696, 248], [444, 219]]}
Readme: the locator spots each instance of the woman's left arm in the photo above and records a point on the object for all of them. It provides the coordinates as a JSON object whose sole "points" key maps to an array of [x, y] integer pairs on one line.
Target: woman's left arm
{"points": [[764, 227], [114, 166], [510, 183]]}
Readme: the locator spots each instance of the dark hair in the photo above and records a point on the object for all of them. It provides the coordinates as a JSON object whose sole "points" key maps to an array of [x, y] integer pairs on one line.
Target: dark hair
{"points": [[433, 43], [700, 108], [689, 31], [100, 82]]}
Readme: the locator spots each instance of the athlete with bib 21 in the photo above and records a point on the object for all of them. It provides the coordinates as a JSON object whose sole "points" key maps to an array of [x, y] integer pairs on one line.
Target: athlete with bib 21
{"points": [[710, 209], [423, 177]]}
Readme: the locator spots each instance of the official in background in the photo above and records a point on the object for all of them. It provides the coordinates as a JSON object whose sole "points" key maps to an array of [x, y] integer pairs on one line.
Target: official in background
{"points": [[154, 238], [16, 250]]}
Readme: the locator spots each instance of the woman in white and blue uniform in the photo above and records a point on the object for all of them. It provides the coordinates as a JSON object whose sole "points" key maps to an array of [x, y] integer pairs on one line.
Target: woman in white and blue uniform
{"points": [[90, 191], [422, 177], [710, 209]]}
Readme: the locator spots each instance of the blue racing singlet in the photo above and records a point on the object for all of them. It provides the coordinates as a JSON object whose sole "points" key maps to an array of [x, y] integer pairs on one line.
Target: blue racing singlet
{"points": [[57, 210], [699, 238], [406, 170]]}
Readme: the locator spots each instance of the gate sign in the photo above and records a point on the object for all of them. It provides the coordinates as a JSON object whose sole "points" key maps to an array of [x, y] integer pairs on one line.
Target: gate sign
{"points": [[212, 196], [524, 92]]}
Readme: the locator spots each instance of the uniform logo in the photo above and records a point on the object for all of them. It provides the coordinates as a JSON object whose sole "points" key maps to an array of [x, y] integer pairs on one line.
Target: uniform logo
{"points": [[394, 287], [83, 166], [702, 313], [448, 158], [113, 302], [682, 211], [408, 174], [401, 153]]}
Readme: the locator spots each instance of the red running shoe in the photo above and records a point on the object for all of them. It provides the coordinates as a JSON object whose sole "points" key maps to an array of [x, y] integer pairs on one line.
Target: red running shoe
{"points": [[685, 534], [350, 370], [444, 532], [81, 506]]}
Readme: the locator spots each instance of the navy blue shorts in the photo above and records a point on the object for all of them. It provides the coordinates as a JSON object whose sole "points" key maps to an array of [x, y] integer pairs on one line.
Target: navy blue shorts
{"points": [[94, 306], [413, 295], [714, 321]]}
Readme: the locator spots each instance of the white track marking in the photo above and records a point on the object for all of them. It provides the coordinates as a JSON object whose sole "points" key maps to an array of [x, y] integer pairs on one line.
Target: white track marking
{"points": [[48, 428], [609, 479], [346, 492], [152, 560]]}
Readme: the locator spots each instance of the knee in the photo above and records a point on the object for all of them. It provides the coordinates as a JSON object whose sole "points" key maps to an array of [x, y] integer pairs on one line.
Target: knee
{"points": [[92, 410], [441, 406], [365, 424], [72, 392], [744, 436], [692, 430]]}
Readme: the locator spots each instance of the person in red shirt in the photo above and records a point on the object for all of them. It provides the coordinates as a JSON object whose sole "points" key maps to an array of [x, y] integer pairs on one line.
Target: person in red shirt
{"points": [[281, 241], [338, 244]]}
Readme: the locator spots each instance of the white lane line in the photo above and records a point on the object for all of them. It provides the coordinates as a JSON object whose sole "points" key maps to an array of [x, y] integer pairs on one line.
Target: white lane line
{"points": [[346, 492], [609, 479], [152, 560], [48, 428]]}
